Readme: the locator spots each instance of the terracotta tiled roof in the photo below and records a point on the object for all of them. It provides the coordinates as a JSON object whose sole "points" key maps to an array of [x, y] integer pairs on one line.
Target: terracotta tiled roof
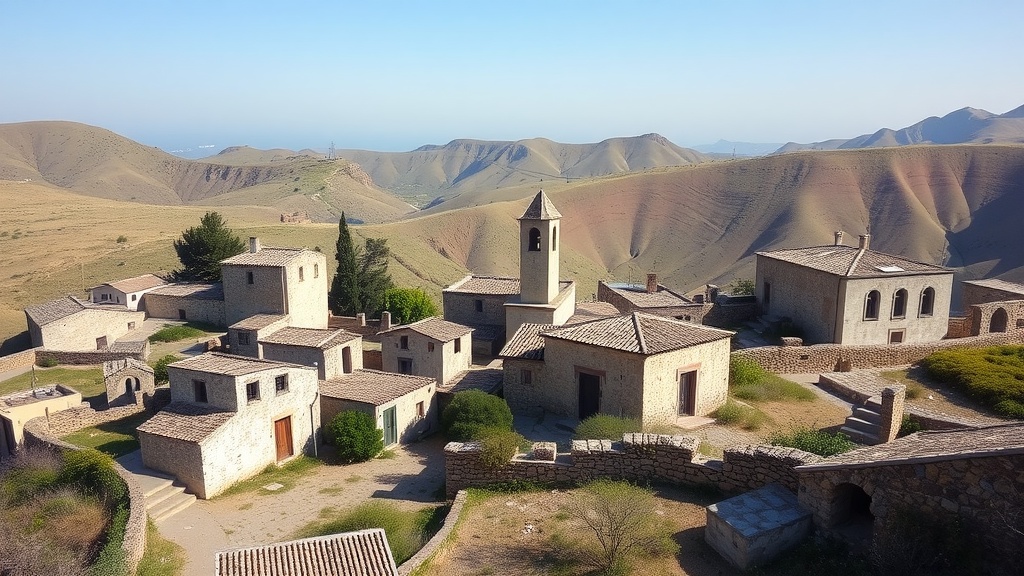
{"points": [[434, 327], [639, 332], [258, 321], [997, 284], [933, 445], [526, 343], [186, 421], [264, 257], [362, 553], [639, 297], [372, 386], [493, 285], [541, 209], [198, 290], [137, 284], [853, 262], [485, 379], [228, 364], [309, 337], [54, 310], [115, 366]]}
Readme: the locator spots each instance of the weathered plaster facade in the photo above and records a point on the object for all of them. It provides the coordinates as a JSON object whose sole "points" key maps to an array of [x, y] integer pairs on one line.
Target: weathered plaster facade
{"points": [[71, 324], [276, 281], [432, 347]]}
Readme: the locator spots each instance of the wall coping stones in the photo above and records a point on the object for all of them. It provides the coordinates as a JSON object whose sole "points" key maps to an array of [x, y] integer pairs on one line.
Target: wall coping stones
{"points": [[792, 456], [438, 538]]}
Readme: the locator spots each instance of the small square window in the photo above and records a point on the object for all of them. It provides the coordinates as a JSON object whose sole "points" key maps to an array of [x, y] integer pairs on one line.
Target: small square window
{"points": [[478, 305], [243, 338], [281, 384], [131, 325], [527, 377], [458, 345], [419, 410], [430, 346], [405, 365], [134, 297], [104, 296], [199, 391], [403, 342], [252, 391]]}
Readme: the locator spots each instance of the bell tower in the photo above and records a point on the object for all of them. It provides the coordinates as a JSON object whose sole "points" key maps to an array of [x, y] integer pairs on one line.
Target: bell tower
{"points": [[539, 251]]}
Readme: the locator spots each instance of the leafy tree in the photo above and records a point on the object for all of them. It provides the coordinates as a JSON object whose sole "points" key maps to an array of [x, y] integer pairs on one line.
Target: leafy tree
{"points": [[344, 297], [201, 248], [742, 287], [374, 279], [160, 367], [472, 410], [356, 436], [409, 305]]}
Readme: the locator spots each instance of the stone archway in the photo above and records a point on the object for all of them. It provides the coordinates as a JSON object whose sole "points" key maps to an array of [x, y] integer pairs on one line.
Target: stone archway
{"points": [[851, 515], [999, 321]]}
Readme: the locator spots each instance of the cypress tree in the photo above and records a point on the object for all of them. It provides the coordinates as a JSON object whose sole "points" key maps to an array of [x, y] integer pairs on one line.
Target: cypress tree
{"points": [[344, 298]]}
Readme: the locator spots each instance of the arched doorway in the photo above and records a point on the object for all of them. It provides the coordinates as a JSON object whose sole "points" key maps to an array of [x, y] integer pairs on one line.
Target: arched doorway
{"points": [[999, 321], [851, 514]]}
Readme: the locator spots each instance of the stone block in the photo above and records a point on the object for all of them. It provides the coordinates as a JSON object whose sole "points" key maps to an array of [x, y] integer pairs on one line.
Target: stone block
{"points": [[545, 451], [753, 528]]}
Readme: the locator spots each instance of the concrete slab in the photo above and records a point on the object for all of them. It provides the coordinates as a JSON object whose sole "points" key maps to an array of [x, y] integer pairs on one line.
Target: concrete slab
{"points": [[755, 527]]}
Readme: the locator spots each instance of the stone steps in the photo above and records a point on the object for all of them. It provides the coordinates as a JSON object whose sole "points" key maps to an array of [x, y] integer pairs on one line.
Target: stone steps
{"points": [[864, 426], [167, 500], [859, 436]]}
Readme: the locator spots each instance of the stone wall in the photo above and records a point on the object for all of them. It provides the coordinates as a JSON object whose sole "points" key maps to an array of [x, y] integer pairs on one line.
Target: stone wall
{"points": [[983, 317], [359, 324], [92, 356], [22, 359], [410, 565], [972, 294], [827, 357], [638, 457], [45, 432], [196, 309], [372, 360], [959, 327]]}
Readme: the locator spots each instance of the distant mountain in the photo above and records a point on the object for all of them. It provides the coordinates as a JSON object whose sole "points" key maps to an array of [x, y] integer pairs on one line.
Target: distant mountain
{"points": [[96, 162], [423, 174], [964, 126], [739, 148]]}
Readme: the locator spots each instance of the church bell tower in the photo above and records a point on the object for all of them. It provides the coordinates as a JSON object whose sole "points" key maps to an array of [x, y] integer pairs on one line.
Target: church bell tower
{"points": [[538, 251]]}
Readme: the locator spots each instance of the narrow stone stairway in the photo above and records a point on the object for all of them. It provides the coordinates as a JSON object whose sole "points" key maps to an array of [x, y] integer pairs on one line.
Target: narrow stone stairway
{"points": [[865, 424], [165, 496]]}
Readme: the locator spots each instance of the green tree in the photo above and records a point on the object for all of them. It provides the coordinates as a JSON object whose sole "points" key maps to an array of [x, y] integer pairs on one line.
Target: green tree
{"points": [[344, 297], [356, 436], [201, 248], [742, 287], [409, 305], [472, 410], [374, 279]]}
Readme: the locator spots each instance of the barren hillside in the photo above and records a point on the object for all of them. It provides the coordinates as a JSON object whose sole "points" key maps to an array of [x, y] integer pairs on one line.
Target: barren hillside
{"points": [[96, 162]]}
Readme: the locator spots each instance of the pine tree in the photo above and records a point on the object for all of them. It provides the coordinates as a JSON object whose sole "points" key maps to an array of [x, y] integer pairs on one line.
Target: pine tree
{"points": [[344, 298], [201, 248]]}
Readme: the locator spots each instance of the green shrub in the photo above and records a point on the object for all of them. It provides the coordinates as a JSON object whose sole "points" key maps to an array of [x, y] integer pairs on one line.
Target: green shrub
{"points": [[746, 417], [356, 436], [404, 530], [47, 362], [498, 445], [606, 427], [745, 372], [22, 484], [993, 376], [471, 410], [409, 305], [909, 425], [175, 333], [160, 367], [93, 473], [814, 441], [747, 380]]}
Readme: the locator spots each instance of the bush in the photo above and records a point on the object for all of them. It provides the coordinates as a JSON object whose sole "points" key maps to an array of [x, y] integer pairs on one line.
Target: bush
{"points": [[47, 362], [606, 427], [734, 413], [175, 333], [409, 305], [993, 376], [498, 445], [356, 436], [471, 410], [745, 372], [92, 472], [747, 380], [909, 425], [160, 367], [814, 441], [122, 239]]}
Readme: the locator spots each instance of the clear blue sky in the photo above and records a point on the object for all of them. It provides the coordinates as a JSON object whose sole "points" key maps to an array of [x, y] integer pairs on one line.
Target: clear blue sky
{"points": [[395, 75]]}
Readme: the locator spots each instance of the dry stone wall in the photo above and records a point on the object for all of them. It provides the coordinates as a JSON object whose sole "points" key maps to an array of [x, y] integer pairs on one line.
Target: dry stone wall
{"points": [[638, 458], [830, 357], [92, 357], [22, 359]]}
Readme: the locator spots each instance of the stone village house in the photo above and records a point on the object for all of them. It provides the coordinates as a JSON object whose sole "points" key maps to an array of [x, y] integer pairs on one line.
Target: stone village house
{"points": [[128, 292], [75, 325], [431, 347]]}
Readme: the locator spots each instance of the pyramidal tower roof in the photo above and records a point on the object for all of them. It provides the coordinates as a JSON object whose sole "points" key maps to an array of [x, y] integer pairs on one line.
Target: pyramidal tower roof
{"points": [[541, 209]]}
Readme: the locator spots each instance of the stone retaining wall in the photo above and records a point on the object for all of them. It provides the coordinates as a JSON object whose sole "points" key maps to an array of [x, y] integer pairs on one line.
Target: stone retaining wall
{"points": [[959, 327], [38, 432], [638, 458], [21, 359], [830, 357], [431, 546], [373, 360], [92, 356]]}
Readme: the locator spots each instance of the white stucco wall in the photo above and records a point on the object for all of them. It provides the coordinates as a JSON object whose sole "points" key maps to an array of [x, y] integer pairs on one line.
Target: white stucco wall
{"points": [[661, 380], [79, 331], [855, 329]]}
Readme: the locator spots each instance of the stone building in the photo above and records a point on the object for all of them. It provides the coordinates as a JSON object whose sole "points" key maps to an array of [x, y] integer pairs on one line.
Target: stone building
{"points": [[496, 306], [332, 352], [642, 366], [992, 306], [18, 408], [230, 417], [127, 292], [280, 281], [190, 301], [244, 336], [431, 347], [652, 297], [128, 381], [74, 325], [854, 295], [404, 406], [988, 290]]}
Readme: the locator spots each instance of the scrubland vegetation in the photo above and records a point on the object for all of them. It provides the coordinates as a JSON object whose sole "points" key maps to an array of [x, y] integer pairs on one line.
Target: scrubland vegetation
{"points": [[992, 376]]}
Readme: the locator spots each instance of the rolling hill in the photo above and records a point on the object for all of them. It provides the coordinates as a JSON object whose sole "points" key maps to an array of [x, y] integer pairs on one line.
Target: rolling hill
{"points": [[964, 126], [96, 162], [428, 172]]}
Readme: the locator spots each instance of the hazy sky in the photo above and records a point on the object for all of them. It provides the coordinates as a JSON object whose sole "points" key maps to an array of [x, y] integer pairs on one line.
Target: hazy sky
{"points": [[395, 75]]}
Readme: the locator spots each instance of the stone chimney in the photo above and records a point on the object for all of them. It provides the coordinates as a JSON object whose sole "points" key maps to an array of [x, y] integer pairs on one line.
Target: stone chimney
{"points": [[865, 241], [711, 291], [652, 283], [254, 244], [361, 318], [385, 320], [839, 237]]}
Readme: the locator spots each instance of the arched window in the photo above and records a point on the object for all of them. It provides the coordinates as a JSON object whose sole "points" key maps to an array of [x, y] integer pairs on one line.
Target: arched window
{"points": [[999, 321], [899, 304], [927, 301], [871, 305], [554, 238], [534, 245]]}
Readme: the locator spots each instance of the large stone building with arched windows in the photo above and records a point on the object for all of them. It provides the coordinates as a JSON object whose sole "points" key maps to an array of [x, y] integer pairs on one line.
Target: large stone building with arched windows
{"points": [[854, 295]]}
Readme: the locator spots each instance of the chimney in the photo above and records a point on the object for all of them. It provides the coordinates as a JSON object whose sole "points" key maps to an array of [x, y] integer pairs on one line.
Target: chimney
{"points": [[361, 318], [839, 237], [652, 283], [865, 241], [385, 320], [254, 244]]}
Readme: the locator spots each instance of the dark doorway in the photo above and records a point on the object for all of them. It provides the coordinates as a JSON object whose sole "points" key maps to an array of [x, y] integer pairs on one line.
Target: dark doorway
{"points": [[687, 393], [851, 514], [181, 314], [999, 321], [590, 394], [346, 360]]}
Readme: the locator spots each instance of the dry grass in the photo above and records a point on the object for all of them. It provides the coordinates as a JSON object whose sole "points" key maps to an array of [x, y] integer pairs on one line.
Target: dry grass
{"points": [[87, 380]]}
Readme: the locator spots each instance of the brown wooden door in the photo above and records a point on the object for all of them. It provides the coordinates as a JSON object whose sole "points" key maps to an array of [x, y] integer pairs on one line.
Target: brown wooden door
{"points": [[283, 437]]}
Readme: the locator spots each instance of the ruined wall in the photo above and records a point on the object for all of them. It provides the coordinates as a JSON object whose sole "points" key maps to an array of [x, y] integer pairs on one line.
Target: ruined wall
{"points": [[196, 309], [959, 327], [826, 357], [638, 457], [984, 320]]}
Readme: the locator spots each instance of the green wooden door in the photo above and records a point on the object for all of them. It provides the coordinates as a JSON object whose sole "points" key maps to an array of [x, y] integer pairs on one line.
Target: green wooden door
{"points": [[390, 427]]}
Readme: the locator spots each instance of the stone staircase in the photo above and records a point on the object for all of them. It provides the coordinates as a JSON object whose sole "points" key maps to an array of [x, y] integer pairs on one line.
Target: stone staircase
{"points": [[865, 424], [166, 498]]}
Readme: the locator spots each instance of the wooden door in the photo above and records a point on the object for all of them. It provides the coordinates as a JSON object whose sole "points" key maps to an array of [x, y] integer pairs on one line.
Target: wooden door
{"points": [[687, 393], [283, 438], [390, 426]]}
